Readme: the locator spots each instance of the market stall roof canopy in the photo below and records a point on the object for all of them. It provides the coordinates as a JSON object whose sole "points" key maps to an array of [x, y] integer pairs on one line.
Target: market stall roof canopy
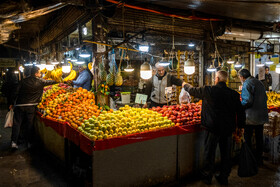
{"points": [[254, 10]]}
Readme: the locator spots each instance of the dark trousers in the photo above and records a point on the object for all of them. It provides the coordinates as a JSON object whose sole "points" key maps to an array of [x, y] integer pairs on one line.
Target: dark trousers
{"points": [[24, 114], [248, 133], [211, 143]]}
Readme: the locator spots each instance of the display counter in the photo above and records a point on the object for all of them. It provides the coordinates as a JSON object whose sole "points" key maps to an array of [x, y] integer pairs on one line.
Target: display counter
{"points": [[141, 159]]}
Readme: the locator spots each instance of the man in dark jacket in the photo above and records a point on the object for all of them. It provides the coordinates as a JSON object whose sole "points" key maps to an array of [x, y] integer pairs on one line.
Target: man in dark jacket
{"points": [[28, 96], [10, 85], [221, 113], [254, 100], [155, 87]]}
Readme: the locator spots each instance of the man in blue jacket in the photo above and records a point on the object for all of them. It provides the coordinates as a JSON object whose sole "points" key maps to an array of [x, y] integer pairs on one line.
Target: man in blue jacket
{"points": [[254, 100], [84, 78]]}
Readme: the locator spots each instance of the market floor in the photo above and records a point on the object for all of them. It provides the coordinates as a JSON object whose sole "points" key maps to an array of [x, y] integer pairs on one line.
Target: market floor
{"points": [[35, 167]]}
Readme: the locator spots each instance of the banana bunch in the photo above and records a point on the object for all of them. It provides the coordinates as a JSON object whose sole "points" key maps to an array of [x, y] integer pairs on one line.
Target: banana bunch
{"points": [[273, 99], [56, 74], [47, 75], [71, 76], [90, 65]]}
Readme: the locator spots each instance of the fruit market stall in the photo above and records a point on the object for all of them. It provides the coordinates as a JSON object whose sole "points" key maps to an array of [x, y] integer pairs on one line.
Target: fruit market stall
{"points": [[148, 145]]}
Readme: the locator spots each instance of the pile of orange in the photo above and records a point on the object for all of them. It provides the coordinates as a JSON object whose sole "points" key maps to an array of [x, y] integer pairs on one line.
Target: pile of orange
{"points": [[73, 107]]}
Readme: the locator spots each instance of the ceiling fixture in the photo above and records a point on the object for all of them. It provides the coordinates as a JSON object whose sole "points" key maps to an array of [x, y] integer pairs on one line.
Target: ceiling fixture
{"points": [[49, 67], [84, 53], [230, 61], [55, 62], [191, 44], [28, 64], [211, 68], [269, 61], [80, 61], [189, 66], [144, 48], [237, 65], [21, 68], [66, 69], [164, 62], [260, 63], [128, 68], [74, 59], [85, 30], [146, 71]]}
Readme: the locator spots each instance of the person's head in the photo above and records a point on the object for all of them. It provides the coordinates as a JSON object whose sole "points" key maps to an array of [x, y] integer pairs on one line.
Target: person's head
{"points": [[35, 71], [82, 67], [221, 76], [266, 70], [244, 74], [160, 69]]}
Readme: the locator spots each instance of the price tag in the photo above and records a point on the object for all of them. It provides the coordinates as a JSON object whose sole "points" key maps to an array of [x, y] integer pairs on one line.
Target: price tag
{"points": [[141, 99]]}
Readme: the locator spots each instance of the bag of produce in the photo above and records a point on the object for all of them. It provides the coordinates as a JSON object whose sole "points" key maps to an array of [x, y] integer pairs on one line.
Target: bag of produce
{"points": [[248, 166], [9, 119], [184, 97]]}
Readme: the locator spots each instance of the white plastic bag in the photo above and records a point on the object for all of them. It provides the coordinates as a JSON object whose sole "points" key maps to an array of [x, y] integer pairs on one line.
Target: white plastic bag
{"points": [[9, 119], [184, 97]]}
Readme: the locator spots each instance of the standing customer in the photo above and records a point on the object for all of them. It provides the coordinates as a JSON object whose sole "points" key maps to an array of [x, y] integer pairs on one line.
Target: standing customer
{"points": [[254, 102], [221, 113], [28, 96]]}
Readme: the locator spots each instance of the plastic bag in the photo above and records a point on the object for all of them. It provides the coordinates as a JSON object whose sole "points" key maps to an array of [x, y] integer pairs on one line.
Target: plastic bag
{"points": [[9, 119], [184, 97], [248, 165]]}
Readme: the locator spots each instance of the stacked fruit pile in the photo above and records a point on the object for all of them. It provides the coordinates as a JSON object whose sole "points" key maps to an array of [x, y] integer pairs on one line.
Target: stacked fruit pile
{"points": [[273, 99], [185, 114], [62, 103], [123, 122]]}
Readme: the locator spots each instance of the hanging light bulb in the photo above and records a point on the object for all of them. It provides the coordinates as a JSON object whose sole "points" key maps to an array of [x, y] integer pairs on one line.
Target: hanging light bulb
{"points": [[164, 62], [49, 67], [80, 61], [269, 61], [66, 69], [189, 67], [128, 68], [260, 63], [84, 53], [191, 44], [211, 68], [74, 59], [21, 68], [230, 61], [277, 70], [54, 62], [237, 65], [146, 71]]}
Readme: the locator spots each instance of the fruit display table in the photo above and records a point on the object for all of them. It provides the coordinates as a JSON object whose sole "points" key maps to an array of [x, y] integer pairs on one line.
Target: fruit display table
{"points": [[142, 159]]}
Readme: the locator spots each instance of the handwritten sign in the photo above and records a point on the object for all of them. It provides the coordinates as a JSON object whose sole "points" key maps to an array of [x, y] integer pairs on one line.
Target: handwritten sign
{"points": [[141, 99]]}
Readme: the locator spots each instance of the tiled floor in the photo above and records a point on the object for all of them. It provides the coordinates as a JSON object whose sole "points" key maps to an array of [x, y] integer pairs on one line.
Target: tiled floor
{"points": [[35, 167]]}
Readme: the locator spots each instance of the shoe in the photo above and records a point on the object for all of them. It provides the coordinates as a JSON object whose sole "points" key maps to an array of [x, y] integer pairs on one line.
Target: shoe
{"points": [[221, 180], [14, 145]]}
